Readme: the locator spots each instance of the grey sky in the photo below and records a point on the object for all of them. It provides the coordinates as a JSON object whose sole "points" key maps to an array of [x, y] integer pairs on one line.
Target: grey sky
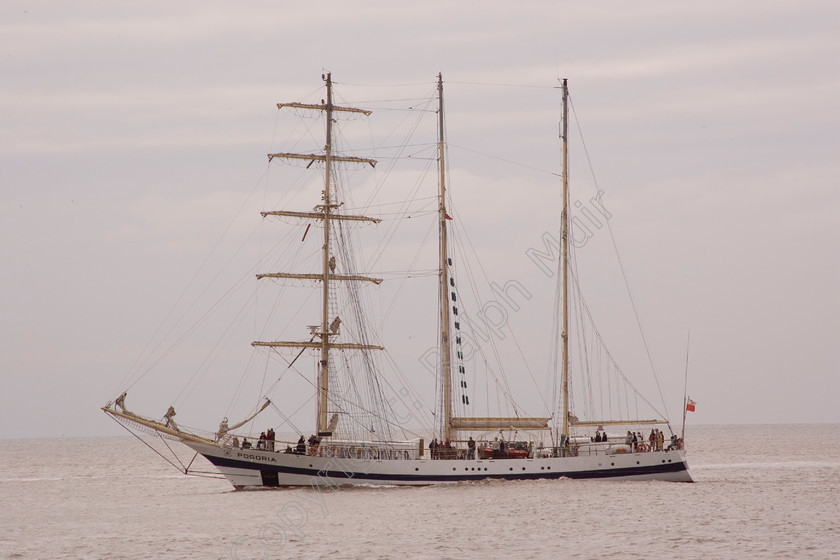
{"points": [[131, 133]]}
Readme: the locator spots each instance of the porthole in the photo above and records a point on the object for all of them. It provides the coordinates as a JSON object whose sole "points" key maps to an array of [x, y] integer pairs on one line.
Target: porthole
{"points": [[612, 464], [637, 462], [453, 468], [669, 460], [549, 467], [466, 468], [310, 466], [485, 468], [416, 468], [511, 468], [523, 468]]}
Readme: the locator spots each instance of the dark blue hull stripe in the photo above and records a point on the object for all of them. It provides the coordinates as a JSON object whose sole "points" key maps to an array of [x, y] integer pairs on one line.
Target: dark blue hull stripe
{"points": [[454, 477]]}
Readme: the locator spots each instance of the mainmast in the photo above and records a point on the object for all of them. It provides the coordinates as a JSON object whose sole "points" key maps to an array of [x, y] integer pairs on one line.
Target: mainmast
{"points": [[564, 234], [327, 212], [446, 354], [452, 424]]}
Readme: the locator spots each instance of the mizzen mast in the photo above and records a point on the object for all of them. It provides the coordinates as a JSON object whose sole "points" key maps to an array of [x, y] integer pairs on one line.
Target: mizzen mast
{"points": [[564, 234], [327, 212]]}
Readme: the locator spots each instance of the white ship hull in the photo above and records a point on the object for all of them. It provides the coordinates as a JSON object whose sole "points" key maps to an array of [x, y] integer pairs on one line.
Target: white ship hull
{"points": [[254, 468]]}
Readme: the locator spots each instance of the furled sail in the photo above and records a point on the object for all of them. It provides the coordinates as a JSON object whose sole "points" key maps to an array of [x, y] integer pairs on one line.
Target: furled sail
{"points": [[499, 423]]}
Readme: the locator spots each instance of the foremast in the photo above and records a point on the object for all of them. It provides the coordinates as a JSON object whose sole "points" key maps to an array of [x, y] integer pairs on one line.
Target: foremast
{"points": [[327, 212]]}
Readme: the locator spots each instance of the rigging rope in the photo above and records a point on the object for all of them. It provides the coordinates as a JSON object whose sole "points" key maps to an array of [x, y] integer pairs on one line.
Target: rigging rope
{"points": [[623, 272]]}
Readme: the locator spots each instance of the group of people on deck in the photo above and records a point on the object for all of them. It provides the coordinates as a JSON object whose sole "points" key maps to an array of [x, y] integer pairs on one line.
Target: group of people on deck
{"points": [[446, 450], [655, 441], [598, 437], [265, 442], [300, 447], [441, 450]]}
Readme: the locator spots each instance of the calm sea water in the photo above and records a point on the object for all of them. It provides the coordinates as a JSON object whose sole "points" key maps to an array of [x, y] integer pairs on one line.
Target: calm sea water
{"points": [[761, 492]]}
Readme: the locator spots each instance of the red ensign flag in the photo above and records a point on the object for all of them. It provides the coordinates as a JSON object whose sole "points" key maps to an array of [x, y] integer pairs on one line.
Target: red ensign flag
{"points": [[690, 406]]}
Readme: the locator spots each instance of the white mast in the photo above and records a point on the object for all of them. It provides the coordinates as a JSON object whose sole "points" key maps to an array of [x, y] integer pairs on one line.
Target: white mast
{"points": [[446, 354], [323, 377], [325, 212], [564, 234], [452, 424]]}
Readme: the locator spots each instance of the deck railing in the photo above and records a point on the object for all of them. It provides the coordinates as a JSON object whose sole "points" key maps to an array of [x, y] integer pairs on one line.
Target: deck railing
{"points": [[483, 450]]}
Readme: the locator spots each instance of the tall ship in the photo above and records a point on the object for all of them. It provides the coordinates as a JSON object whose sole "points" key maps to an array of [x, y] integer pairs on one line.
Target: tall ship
{"points": [[359, 437]]}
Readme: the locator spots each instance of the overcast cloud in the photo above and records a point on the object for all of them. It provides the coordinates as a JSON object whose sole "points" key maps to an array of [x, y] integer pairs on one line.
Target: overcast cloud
{"points": [[131, 133]]}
